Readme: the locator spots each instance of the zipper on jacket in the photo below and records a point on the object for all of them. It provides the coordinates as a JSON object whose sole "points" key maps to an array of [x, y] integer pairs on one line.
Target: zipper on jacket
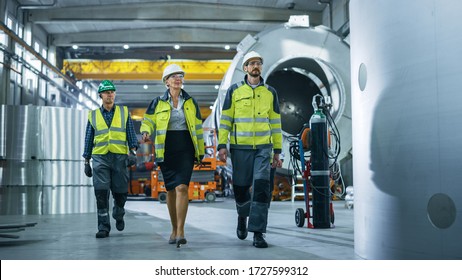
{"points": [[253, 122], [191, 127]]}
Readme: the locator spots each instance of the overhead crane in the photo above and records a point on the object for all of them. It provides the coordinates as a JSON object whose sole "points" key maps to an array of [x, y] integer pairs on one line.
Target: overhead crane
{"points": [[198, 70]]}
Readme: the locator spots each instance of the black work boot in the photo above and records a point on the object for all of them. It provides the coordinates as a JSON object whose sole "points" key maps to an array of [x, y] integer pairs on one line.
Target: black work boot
{"points": [[241, 230], [118, 215], [259, 241], [120, 224], [102, 234]]}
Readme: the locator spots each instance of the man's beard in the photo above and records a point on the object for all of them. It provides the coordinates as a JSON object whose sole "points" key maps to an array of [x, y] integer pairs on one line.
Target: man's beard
{"points": [[254, 73]]}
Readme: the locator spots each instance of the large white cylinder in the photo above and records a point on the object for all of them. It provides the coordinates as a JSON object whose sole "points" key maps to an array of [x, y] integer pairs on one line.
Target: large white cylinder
{"points": [[299, 62], [407, 143]]}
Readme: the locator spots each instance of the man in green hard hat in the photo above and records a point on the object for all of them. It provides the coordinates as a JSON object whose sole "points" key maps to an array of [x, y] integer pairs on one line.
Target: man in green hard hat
{"points": [[110, 137]]}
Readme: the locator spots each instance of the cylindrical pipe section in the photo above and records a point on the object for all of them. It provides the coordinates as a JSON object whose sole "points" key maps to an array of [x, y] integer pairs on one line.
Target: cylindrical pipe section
{"points": [[407, 111]]}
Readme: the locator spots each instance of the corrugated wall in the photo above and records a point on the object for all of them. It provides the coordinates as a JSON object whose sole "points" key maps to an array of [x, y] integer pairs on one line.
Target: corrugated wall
{"points": [[41, 167]]}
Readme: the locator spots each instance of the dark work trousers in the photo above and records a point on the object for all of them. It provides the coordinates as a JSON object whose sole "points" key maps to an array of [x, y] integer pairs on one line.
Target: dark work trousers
{"points": [[272, 174], [110, 173], [252, 168]]}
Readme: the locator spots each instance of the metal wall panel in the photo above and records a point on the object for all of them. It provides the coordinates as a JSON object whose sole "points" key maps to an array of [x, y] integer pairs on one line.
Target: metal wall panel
{"points": [[3, 124], [19, 200], [41, 164], [64, 173], [15, 172], [19, 132], [68, 199], [38, 200], [62, 133]]}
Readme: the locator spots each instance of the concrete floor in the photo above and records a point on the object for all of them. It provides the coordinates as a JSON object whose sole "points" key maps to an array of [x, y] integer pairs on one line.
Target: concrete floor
{"points": [[210, 231]]}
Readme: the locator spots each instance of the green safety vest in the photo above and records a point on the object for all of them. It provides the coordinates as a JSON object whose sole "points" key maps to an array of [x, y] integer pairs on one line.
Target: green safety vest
{"points": [[113, 139]]}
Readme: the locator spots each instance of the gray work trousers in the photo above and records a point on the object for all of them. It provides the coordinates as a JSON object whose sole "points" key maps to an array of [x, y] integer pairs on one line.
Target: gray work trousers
{"points": [[110, 173], [252, 168]]}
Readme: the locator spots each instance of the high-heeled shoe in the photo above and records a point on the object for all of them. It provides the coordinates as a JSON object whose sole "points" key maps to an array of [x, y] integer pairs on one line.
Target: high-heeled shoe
{"points": [[180, 241]]}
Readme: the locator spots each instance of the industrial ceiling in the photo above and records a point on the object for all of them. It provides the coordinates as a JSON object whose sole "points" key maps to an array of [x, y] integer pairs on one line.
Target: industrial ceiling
{"points": [[98, 30]]}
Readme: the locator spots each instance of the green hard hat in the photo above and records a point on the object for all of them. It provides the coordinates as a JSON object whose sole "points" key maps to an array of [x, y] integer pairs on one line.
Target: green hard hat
{"points": [[105, 86]]}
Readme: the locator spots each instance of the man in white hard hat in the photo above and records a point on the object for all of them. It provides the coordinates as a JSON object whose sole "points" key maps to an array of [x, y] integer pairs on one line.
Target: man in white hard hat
{"points": [[252, 121]]}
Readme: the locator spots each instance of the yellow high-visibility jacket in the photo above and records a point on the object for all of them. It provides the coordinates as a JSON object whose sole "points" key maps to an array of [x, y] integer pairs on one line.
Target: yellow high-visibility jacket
{"points": [[251, 118], [113, 139], [156, 121]]}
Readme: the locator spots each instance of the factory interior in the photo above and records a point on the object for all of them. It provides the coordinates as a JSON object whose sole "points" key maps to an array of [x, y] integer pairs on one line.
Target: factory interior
{"points": [[385, 71]]}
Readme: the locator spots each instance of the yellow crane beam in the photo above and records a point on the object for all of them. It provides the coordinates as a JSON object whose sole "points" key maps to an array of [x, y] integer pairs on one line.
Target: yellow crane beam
{"points": [[206, 70]]}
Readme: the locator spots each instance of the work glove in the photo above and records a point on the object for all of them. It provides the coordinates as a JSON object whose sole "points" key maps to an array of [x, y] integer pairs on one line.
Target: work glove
{"points": [[131, 158], [88, 171]]}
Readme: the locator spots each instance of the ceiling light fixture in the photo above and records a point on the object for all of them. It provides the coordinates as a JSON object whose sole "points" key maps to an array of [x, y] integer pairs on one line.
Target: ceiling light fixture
{"points": [[176, 47], [145, 87], [126, 46], [227, 47], [75, 47]]}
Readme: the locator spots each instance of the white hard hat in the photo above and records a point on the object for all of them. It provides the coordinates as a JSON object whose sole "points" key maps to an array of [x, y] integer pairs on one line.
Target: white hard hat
{"points": [[171, 69], [250, 55]]}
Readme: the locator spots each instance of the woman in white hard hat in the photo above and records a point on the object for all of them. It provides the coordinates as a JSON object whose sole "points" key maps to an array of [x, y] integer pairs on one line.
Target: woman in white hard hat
{"points": [[176, 122]]}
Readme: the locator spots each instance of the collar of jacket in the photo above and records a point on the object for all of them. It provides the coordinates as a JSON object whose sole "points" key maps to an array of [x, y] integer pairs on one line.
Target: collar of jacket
{"points": [[165, 97], [104, 109], [262, 82]]}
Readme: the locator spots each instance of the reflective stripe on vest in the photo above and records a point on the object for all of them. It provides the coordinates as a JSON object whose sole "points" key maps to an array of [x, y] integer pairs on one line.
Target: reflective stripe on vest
{"points": [[249, 121]]}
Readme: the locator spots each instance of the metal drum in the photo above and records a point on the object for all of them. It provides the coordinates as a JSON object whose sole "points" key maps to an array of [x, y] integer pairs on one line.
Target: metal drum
{"points": [[407, 113]]}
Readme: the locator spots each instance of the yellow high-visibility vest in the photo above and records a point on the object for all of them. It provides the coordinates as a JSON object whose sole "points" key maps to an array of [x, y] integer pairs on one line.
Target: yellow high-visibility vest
{"points": [[156, 121], [113, 139], [249, 118]]}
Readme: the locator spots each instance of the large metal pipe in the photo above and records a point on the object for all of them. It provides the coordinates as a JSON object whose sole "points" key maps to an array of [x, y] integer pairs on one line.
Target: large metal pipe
{"points": [[407, 111], [299, 62]]}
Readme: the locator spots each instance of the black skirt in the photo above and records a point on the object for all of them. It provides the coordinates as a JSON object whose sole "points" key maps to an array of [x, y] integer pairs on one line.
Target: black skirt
{"points": [[178, 159]]}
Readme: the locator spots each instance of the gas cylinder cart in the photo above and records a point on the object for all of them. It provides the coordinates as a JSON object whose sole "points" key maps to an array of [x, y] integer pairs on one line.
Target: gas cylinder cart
{"points": [[315, 168]]}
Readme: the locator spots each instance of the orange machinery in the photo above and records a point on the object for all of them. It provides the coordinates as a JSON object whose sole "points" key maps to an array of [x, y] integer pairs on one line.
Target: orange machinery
{"points": [[147, 179], [202, 186], [140, 174]]}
